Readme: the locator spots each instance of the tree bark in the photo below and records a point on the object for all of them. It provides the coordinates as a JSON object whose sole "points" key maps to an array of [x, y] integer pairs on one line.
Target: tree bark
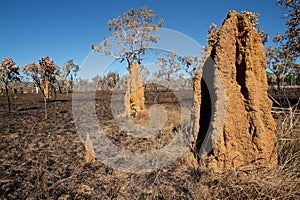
{"points": [[7, 96], [278, 83], [71, 85], [45, 107]]}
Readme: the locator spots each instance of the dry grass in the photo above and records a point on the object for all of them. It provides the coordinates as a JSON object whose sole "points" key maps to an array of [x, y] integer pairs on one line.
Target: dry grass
{"points": [[288, 133], [281, 182]]}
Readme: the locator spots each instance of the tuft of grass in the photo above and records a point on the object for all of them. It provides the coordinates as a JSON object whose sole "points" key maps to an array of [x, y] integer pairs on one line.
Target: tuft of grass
{"points": [[259, 182], [288, 134]]}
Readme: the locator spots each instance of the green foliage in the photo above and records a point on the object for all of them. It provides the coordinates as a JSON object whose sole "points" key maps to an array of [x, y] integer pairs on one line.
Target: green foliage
{"points": [[132, 34]]}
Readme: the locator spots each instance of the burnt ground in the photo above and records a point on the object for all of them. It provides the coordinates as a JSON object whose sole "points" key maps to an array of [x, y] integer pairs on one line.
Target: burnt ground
{"points": [[45, 159], [285, 97]]}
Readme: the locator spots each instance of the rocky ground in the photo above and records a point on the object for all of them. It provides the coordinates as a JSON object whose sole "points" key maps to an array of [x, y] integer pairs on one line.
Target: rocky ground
{"points": [[44, 159]]}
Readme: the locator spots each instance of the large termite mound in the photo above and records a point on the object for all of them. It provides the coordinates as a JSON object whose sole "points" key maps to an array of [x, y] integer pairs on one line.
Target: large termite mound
{"points": [[248, 133], [134, 98]]}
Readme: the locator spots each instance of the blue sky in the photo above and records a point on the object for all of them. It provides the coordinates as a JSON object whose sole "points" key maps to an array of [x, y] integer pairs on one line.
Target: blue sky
{"points": [[64, 29]]}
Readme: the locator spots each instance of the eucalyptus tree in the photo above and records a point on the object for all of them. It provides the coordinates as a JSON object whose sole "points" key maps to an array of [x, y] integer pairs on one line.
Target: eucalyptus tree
{"points": [[290, 38], [191, 63], [169, 66], [69, 73], [132, 34], [43, 74], [112, 79], [172, 66], [9, 73], [280, 63], [96, 81], [289, 41]]}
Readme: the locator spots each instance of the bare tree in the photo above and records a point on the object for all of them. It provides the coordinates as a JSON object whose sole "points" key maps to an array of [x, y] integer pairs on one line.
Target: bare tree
{"points": [[132, 34], [9, 73]]}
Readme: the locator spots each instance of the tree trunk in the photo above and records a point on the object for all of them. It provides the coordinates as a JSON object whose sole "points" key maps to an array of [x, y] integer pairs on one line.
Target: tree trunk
{"points": [[45, 107], [7, 96], [278, 83], [134, 98], [71, 85], [59, 89], [54, 90]]}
